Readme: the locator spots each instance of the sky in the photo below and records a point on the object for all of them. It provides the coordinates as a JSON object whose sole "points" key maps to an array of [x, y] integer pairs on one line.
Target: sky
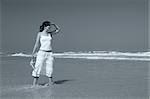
{"points": [[0, 26], [149, 21], [86, 25]]}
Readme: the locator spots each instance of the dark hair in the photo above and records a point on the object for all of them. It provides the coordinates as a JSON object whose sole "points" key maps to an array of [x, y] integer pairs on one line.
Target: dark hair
{"points": [[44, 24]]}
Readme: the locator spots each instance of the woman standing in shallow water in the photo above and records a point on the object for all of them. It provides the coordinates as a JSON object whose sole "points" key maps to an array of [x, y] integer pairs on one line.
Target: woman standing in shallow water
{"points": [[44, 60]]}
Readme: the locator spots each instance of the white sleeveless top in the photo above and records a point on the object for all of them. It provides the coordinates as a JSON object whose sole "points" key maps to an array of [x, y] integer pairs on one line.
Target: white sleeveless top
{"points": [[45, 42]]}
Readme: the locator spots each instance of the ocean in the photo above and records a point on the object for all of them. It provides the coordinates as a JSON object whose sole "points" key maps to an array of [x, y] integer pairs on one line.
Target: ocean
{"points": [[92, 75]]}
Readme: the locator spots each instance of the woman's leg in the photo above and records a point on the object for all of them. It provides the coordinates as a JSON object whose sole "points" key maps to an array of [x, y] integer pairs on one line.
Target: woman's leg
{"points": [[38, 65], [50, 80], [35, 81], [49, 69]]}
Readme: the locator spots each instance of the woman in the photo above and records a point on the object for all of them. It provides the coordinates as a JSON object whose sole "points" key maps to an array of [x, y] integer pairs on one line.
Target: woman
{"points": [[44, 60]]}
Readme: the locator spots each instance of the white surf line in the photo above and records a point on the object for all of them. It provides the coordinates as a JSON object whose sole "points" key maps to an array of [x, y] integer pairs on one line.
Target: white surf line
{"points": [[140, 56], [103, 54], [137, 54], [107, 58]]}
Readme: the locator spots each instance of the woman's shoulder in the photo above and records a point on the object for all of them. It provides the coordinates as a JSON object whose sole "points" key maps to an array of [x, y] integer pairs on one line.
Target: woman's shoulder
{"points": [[39, 33]]}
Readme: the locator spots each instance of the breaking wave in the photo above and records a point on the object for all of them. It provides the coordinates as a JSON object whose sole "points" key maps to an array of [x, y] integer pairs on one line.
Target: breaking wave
{"points": [[106, 55]]}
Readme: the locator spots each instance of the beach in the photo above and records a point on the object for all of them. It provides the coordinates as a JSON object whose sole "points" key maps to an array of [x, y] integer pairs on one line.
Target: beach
{"points": [[76, 79]]}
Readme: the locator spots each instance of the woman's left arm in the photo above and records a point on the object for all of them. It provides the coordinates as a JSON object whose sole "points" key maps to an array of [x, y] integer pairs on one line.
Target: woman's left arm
{"points": [[57, 29]]}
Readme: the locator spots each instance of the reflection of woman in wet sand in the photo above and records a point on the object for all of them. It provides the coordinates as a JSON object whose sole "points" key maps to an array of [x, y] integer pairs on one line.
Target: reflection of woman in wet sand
{"points": [[44, 60]]}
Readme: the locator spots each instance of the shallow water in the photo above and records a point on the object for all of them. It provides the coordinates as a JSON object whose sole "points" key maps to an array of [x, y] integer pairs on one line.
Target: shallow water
{"points": [[76, 79]]}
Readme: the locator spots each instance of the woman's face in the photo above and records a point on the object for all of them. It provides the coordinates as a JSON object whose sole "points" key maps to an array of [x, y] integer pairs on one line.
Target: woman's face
{"points": [[47, 28]]}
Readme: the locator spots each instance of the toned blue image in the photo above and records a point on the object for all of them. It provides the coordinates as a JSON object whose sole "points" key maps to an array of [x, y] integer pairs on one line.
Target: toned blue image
{"points": [[74, 49]]}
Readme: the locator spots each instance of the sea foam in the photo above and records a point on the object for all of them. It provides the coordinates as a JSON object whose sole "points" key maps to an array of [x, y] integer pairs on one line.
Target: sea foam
{"points": [[106, 55]]}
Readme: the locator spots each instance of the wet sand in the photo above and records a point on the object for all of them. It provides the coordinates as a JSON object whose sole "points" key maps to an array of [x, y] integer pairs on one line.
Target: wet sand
{"points": [[76, 79]]}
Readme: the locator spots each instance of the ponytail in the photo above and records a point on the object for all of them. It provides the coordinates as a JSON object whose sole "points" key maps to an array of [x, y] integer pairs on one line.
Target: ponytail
{"points": [[41, 28]]}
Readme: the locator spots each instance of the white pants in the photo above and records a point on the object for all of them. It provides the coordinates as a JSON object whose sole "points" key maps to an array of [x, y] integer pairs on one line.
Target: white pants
{"points": [[44, 64]]}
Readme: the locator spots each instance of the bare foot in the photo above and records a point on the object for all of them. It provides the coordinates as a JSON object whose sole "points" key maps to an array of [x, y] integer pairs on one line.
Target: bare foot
{"points": [[49, 84], [35, 85]]}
